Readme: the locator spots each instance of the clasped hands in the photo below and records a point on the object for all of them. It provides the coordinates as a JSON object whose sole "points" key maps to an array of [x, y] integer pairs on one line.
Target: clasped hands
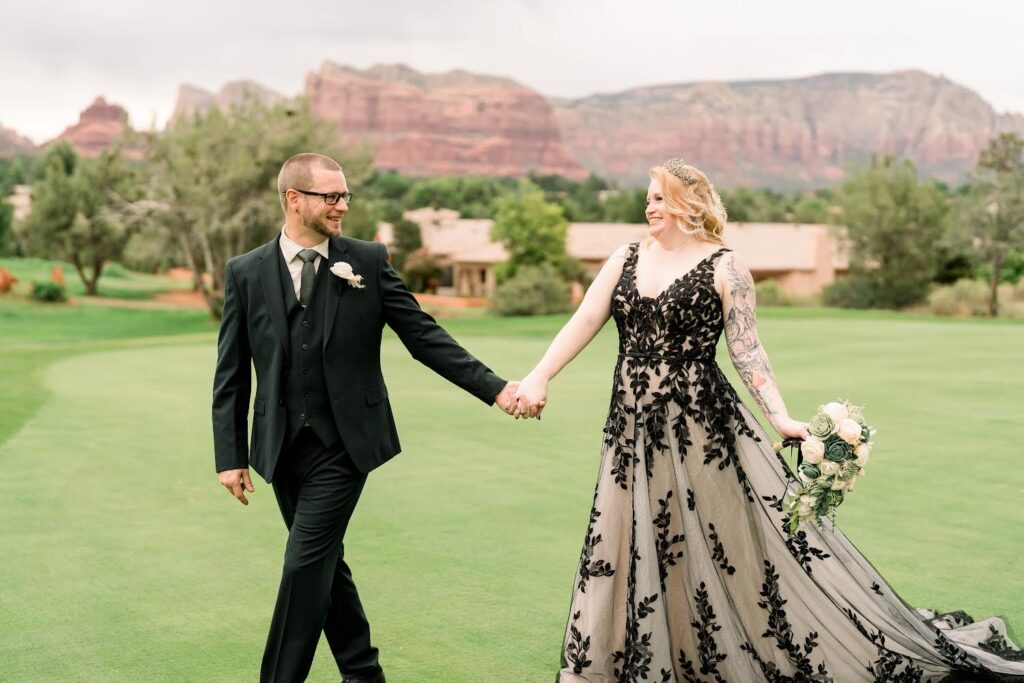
{"points": [[524, 398]]}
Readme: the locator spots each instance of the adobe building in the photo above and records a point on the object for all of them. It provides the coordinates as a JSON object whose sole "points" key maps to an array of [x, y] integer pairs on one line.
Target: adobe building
{"points": [[802, 258]]}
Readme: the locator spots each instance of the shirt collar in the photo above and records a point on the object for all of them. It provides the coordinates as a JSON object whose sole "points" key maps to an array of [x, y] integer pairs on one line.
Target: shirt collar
{"points": [[290, 249]]}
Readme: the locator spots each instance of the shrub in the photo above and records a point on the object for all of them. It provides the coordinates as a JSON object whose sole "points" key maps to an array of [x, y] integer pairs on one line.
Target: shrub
{"points": [[970, 297], [422, 271], [115, 271], [851, 292], [48, 291], [534, 290], [769, 293]]}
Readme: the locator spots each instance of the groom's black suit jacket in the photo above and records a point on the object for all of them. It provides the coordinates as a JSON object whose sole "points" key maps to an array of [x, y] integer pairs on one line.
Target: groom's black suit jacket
{"points": [[254, 329]]}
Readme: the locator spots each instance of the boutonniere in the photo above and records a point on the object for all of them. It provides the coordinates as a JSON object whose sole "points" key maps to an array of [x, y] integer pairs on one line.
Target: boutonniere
{"points": [[344, 271]]}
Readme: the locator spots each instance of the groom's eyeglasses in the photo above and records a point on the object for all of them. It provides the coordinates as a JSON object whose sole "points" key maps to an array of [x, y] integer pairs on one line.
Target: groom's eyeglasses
{"points": [[328, 197]]}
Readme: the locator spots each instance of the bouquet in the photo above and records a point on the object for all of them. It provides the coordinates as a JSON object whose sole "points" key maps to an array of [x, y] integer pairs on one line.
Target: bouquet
{"points": [[829, 462]]}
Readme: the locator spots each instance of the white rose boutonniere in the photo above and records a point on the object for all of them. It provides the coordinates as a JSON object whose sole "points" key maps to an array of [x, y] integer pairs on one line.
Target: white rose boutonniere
{"points": [[344, 271]]}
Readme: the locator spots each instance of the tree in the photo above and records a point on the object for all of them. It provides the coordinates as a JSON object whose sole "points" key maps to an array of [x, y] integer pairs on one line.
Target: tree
{"points": [[626, 206], [532, 230], [994, 207], [77, 212], [6, 228], [407, 238], [361, 220], [214, 191], [894, 223]]}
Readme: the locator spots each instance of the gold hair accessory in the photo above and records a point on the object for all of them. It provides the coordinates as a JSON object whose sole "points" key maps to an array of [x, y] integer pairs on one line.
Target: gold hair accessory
{"points": [[679, 169]]}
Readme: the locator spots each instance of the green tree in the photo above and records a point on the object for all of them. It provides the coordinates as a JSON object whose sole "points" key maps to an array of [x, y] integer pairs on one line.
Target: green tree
{"points": [[994, 208], [213, 193], [6, 228], [79, 216], [533, 230], [361, 220], [407, 238], [626, 206], [894, 223], [63, 152]]}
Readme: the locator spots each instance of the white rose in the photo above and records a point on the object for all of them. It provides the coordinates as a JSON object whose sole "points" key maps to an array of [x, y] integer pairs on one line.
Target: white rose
{"points": [[837, 411], [839, 485], [813, 450], [342, 270], [862, 452], [829, 468], [849, 431]]}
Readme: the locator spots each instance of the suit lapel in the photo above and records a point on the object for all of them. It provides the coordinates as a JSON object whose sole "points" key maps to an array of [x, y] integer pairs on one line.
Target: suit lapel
{"points": [[270, 281], [335, 286]]}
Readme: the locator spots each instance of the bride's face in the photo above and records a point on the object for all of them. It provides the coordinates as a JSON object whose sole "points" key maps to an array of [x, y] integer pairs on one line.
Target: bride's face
{"points": [[658, 217]]}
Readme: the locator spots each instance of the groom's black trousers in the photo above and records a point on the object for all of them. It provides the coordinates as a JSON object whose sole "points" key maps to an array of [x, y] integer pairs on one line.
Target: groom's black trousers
{"points": [[317, 488]]}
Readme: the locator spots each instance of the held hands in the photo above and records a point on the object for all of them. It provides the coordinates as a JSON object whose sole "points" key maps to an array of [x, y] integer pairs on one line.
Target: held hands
{"points": [[525, 398], [237, 482]]}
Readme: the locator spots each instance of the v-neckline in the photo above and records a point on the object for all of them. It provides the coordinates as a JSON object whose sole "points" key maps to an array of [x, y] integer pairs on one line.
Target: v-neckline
{"points": [[671, 285]]}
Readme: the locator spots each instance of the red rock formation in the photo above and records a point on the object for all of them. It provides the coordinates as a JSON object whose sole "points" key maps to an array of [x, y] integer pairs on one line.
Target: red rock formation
{"points": [[783, 133], [192, 100], [98, 127], [12, 143], [447, 124]]}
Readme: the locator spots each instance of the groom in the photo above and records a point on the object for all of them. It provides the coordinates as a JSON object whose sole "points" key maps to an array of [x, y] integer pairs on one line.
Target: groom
{"points": [[307, 309]]}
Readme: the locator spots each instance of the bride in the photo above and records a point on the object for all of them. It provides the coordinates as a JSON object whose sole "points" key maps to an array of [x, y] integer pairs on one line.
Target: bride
{"points": [[688, 572]]}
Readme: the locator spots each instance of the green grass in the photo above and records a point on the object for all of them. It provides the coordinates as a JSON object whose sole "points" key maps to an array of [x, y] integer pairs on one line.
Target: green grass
{"points": [[116, 282], [126, 562]]}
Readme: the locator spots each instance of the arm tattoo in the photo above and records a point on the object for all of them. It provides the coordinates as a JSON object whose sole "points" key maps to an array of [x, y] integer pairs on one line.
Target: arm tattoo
{"points": [[745, 348]]}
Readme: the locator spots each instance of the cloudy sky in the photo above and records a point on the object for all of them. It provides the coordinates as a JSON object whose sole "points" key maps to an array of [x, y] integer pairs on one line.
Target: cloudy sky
{"points": [[57, 56]]}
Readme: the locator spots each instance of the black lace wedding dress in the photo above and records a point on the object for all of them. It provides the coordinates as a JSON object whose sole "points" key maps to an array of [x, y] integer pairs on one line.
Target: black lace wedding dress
{"points": [[688, 572]]}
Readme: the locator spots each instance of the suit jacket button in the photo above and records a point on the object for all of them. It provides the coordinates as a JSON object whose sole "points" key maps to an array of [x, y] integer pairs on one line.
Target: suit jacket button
{"points": [[280, 402]]}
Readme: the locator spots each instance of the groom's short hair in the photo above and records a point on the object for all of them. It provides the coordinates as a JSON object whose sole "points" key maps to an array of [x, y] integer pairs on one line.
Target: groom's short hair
{"points": [[297, 172]]}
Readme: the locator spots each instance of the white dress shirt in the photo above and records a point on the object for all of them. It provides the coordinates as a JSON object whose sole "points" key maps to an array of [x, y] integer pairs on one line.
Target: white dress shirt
{"points": [[291, 250]]}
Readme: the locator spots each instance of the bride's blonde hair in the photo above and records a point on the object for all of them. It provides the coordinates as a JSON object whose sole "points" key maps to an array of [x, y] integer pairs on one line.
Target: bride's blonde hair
{"points": [[692, 200]]}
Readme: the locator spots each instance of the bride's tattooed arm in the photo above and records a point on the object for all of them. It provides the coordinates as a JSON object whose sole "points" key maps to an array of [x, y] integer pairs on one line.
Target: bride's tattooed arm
{"points": [[748, 355]]}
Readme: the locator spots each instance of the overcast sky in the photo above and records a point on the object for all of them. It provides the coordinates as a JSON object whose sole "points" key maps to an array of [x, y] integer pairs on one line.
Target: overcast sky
{"points": [[57, 56]]}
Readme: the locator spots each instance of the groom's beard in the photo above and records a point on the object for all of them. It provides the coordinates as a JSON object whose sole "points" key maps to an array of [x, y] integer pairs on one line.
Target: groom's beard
{"points": [[317, 225]]}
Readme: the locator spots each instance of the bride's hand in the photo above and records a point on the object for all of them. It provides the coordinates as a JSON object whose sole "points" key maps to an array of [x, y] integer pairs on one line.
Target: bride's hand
{"points": [[789, 428], [531, 397]]}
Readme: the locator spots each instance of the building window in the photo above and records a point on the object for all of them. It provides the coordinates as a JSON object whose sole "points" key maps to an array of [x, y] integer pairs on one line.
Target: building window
{"points": [[483, 276]]}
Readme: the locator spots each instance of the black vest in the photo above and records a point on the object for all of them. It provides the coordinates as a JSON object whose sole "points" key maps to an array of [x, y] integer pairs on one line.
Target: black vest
{"points": [[305, 390]]}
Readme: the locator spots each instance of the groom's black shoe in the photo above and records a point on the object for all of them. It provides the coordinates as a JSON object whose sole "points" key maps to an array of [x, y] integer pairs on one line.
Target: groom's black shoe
{"points": [[379, 678]]}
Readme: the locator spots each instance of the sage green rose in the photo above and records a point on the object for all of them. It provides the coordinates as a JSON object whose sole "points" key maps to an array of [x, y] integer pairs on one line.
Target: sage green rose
{"points": [[810, 470], [837, 450], [821, 426]]}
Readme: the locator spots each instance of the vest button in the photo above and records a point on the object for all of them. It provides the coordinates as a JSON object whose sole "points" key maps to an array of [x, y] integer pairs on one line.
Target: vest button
{"points": [[302, 417], [305, 371], [305, 347], [305, 323], [280, 402]]}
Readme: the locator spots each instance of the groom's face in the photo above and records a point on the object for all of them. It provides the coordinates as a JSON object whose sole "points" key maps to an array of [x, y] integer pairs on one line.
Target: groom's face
{"points": [[316, 214]]}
